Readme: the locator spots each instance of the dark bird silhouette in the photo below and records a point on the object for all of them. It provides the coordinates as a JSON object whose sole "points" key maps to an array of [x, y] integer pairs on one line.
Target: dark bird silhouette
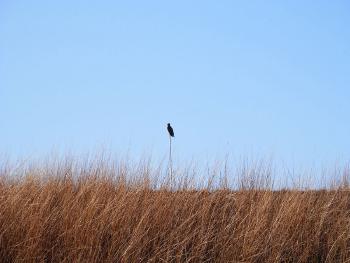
{"points": [[170, 130]]}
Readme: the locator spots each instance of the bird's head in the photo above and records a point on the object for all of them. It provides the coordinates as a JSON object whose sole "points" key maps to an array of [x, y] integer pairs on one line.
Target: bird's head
{"points": [[168, 124]]}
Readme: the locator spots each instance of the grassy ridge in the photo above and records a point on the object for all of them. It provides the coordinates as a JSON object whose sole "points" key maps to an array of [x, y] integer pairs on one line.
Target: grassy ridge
{"points": [[55, 216]]}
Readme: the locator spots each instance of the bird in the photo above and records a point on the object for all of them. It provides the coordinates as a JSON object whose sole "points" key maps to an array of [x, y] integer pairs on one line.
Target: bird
{"points": [[170, 130]]}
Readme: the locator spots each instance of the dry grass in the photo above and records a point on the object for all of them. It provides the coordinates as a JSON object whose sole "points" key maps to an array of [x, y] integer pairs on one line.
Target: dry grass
{"points": [[100, 213]]}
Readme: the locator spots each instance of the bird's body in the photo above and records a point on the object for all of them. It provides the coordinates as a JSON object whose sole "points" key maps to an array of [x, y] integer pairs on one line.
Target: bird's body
{"points": [[170, 130]]}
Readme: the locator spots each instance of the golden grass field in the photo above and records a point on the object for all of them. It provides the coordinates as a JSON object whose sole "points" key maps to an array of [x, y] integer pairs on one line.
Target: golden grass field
{"points": [[62, 212]]}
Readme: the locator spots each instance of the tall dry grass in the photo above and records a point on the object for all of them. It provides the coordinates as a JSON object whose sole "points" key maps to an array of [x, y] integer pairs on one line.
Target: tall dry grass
{"points": [[64, 212]]}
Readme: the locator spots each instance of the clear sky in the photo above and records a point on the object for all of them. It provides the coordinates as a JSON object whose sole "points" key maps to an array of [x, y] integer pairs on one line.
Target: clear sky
{"points": [[232, 77]]}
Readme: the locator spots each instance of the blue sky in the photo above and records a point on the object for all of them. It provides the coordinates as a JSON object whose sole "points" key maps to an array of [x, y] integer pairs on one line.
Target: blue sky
{"points": [[255, 78]]}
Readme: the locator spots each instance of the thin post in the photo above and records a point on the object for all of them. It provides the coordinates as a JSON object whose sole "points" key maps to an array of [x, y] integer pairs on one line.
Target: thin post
{"points": [[170, 162]]}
